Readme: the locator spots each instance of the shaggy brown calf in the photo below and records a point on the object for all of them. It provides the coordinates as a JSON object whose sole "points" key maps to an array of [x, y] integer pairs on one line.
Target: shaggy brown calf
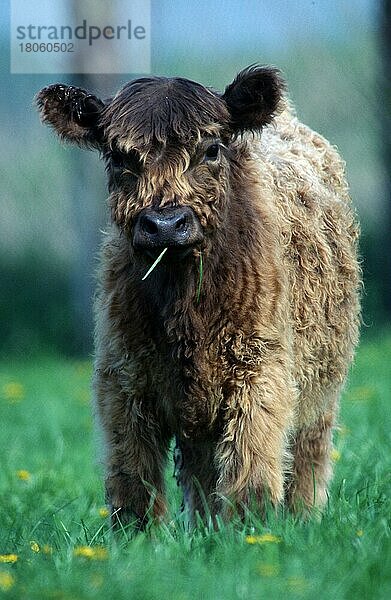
{"points": [[239, 341]]}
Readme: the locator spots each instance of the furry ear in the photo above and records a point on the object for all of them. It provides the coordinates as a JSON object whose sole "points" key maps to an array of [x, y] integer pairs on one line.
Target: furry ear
{"points": [[72, 112], [254, 98]]}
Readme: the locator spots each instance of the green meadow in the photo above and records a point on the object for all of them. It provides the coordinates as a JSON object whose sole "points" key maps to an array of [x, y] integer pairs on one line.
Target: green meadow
{"points": [[55, 538]]}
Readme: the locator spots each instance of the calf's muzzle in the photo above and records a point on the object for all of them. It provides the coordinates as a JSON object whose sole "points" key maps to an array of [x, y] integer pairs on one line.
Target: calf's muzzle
{"points": [[175, 228]]}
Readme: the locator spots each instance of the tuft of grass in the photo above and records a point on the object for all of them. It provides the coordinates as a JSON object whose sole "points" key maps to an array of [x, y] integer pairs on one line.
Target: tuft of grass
{"points": [[201, 274], [56, 540], [157, 261]]}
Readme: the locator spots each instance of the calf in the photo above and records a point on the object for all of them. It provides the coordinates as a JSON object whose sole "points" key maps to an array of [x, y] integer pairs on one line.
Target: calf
{"points": [[239, 341]]}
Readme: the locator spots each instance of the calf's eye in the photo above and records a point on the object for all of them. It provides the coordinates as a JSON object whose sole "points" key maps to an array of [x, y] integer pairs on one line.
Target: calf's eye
{"points": [[117, 161], [212, 152], [124, 165]]}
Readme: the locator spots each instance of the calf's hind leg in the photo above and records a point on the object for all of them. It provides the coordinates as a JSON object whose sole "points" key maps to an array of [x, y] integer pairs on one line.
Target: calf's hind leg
{"points": [[312, 470]]}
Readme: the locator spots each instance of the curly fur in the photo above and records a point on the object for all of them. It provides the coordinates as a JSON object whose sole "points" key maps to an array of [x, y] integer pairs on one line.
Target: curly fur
{"points": [[248, 375]]}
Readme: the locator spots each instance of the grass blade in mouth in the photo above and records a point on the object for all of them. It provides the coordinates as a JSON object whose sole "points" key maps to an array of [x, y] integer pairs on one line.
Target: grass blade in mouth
{"points": [[201, 269], [157, 261]]}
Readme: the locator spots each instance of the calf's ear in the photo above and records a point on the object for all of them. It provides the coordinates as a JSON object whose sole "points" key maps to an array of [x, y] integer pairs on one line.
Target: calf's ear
{"points": [[72, 112], [254, 98]]}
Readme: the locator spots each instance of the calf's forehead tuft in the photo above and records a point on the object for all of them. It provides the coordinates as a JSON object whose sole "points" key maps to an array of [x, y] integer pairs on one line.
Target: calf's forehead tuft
{"points": [[161, 111]]}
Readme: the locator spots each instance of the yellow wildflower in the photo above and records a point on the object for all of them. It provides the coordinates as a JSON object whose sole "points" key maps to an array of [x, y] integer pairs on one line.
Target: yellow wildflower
{"points": [[85, 551], [8, 558], [266, 538], [268, 570], [23, 475], [100, 553], [103, 512], [34, 546], [359, 533], [335, 455], [13, 391], [91, 552], [6, 581]]}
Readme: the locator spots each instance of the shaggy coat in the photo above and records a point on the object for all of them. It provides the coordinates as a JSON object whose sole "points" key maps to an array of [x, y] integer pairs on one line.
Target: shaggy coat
{"points": [[239, 347]]}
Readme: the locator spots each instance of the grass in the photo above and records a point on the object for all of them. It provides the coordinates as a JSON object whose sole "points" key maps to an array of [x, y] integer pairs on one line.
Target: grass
{"points": [[200, 277], [157, 261], [55, 540]]}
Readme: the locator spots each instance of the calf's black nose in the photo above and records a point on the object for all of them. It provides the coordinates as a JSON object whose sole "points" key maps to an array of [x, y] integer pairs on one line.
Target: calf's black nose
{"points": [[167, 227]]}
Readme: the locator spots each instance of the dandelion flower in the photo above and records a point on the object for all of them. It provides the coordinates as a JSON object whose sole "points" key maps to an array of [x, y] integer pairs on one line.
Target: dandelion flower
{"points": [[103, 512], [101, 553], [6, 581], [34, 546], [359, 533], [13, 392], [23, 475], [266, 538], [85, 551], [335, 455], [91, 552], [8, 558]]}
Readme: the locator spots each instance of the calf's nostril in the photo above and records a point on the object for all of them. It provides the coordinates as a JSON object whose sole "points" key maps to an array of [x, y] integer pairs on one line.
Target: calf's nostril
{"points": [[149, 226], [167, 227], [180, 223]]}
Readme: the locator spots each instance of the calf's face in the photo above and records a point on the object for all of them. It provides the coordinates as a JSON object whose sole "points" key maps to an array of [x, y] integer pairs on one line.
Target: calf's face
{"points": [[169, 147]]}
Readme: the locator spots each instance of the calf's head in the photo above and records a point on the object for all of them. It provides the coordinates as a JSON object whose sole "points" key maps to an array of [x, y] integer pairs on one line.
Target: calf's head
{"points": [[170, 149]]}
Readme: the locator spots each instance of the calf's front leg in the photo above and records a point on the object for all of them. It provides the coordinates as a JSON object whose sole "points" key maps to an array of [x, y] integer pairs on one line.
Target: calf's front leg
{"points": [[196, 474], [253, 454], [136, 451]]}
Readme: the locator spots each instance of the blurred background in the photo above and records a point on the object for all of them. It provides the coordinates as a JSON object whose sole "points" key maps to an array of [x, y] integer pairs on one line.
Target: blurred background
{"points": [[336, 58]]}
